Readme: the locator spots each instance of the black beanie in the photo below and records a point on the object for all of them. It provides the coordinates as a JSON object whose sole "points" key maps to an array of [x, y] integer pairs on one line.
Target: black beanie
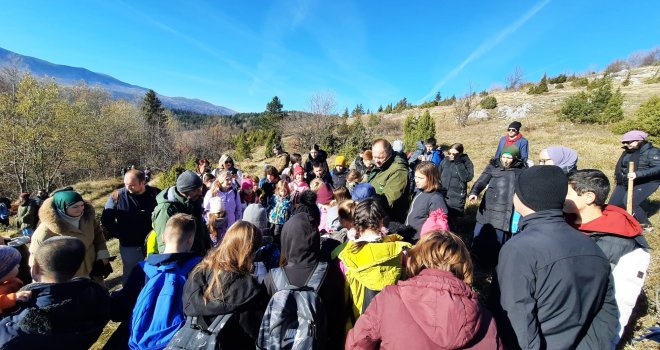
{"points": [[542, 187], [515, 125]]}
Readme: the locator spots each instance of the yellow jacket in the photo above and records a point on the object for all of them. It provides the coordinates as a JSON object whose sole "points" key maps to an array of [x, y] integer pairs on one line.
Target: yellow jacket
{"points": [[376, 265]]}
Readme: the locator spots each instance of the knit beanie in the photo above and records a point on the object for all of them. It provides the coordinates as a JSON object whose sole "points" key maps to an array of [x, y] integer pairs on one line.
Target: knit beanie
{"points": [[397, 146], [65, 198], [257, 215], [363, 191], [216, 205], [324, 194], [542, 187], [247, 183], [437, 221], [298, 170], [515, 125], [513, 150], [9, 258], [188, 181], [340, 160]]}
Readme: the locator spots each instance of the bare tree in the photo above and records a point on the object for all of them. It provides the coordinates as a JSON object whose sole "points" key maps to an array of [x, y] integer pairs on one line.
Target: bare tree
{"points": [[316, 125], [464, 106], [515, 79]]}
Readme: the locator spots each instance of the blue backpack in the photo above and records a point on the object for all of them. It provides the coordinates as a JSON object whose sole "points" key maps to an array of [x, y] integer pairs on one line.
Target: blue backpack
{"points": [[158, 312]]}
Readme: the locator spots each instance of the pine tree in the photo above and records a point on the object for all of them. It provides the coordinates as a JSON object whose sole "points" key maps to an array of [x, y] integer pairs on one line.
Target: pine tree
{"points": [[242, 147], [380, 109], [274, 107], [438, 97], [345, 114], [425, 127], [409, 131], [271, 140], [388, 108], [153, 111]]}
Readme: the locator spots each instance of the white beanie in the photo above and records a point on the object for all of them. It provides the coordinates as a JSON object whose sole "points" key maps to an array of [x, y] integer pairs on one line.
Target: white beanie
{"points": [[216, 205]]}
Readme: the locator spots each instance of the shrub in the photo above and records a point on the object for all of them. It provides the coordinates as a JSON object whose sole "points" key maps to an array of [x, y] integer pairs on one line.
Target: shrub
{"points": [[647, 118], [626, 82], [598, 83], [561, 78], [559, 86], [600, 106], [540, 88], [654, 79], [168, 178], [580, 81], [483, 93], [489, 102]]}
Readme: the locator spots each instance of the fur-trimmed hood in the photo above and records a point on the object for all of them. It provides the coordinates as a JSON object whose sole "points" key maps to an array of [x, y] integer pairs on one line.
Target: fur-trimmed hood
{"points": [[49, 217]]}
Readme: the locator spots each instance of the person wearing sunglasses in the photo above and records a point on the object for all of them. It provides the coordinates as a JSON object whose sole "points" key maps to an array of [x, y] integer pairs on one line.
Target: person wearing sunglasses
{"points": [[646, 174], [515, 138]]}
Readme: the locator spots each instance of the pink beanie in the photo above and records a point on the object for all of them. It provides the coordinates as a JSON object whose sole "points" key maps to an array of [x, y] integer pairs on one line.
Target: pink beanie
{"points": [[437, 221], [247, 183]]}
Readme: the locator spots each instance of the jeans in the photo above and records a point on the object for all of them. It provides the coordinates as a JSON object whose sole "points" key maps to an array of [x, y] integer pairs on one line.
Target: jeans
{"points": [[640, 193], [130, 257]]}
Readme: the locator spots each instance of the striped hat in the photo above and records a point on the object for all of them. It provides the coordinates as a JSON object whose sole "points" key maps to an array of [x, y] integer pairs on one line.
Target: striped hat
{"points": [[9, 258]]}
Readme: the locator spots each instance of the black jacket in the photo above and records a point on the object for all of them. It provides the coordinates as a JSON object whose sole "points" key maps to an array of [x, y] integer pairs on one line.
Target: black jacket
{"points": [[339, 179], [556, 288], [497, 205], [647, 165], [243, 296], [68, 315], [309, 168], [129, 220], [422, 205], [301, 248], [454, 176]]}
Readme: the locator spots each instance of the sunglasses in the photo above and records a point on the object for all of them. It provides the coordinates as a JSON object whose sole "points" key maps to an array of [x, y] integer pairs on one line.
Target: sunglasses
{"points": [[627, 142], [512, 129]]}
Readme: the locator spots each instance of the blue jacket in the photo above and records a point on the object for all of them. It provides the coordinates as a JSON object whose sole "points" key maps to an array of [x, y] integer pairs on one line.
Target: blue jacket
{"points": [[522, 145], [69, 315]]}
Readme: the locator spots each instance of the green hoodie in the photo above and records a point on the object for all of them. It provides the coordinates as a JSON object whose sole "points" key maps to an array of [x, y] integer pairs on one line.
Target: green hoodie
{"points": [[170, 202]]}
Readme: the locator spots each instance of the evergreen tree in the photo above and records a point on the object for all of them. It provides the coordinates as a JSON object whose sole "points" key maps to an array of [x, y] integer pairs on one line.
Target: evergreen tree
{"points": [[409, 131], [345, 114], [438, 97], [357, 111], [388, 108], [271, 141], [274, 107], [242, 147], [152, 110], [380, 109], [374, 119], [425, 127]]}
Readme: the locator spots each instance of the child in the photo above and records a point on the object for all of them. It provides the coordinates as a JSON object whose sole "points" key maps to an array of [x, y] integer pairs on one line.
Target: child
{"points": [[282, 208], [374, 259], [339, 194], [10, 259], [428, 199], [217, 220], [248, 195], [65, 312], [353, 178], [150, 324], [298, 185], [340, 172], [267, 185], [324, 199], [319, 172], [208, 179]]}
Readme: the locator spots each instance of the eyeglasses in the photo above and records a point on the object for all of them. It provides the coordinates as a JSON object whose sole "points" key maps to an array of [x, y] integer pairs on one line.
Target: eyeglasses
{"points": [[543, 161], [512, 129]]}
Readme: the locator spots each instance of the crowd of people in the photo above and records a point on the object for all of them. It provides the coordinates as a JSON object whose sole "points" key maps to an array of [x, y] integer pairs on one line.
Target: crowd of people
{"points": [[355, 256]]}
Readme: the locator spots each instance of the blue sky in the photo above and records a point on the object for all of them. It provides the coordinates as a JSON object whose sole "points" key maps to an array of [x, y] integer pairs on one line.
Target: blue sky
{"points": [[239, 54]]}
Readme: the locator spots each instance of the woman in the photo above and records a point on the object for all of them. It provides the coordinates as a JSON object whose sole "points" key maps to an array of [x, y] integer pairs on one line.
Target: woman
{"points": [[67, 214], [455, 172], [560, 156], [428, 197], [224, 189], [435, 308], [26, 216], [227, 163], [316, 154], [494, 216], [646, 175], [222, 284]]}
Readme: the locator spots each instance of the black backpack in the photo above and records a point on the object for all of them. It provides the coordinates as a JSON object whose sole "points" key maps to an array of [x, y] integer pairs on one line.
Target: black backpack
{"points": [[192, 336], [295, 317]]}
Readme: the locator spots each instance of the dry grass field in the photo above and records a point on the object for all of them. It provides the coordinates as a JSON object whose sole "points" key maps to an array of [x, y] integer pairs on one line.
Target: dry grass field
{"points": [[596, 145]]}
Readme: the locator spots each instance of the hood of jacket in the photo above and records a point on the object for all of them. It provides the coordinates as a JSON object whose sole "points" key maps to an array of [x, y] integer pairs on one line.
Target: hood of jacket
{"points": [[443, 306], [49, 217], [171, 195], [377, 264], [615, 221], [60, 308], [301, 241], [238, 290]]}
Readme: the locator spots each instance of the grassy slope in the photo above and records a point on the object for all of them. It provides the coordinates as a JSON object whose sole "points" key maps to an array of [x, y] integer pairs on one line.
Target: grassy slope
{"points": [[597, 146]]}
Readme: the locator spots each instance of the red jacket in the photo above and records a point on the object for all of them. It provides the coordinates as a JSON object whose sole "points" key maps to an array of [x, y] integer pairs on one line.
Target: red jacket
{"points": [[433, 310]]}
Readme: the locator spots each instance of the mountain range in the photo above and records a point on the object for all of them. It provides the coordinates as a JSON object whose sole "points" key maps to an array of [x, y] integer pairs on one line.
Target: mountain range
{"points": [[66, 75]]}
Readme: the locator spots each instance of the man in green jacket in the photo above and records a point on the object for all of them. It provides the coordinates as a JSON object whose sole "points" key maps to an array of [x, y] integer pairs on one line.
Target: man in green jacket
{"points": [[185, 197], [390, 179]]}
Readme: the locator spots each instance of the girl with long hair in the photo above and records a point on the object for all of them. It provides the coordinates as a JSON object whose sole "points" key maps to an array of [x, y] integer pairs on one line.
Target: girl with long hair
{"points": [[222, 283]]}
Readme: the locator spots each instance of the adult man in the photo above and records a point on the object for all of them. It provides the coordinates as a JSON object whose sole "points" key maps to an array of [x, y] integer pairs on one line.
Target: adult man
{"points": [[185, 197], [390, 179], [514, 137], [615, 232], [646, 174], [281, 158], [554, 281], [127, 217]]}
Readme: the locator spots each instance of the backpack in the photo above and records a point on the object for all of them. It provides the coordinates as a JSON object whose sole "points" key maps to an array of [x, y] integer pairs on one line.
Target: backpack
{"points": [[193, 337], [158, 312], [295, 316]]}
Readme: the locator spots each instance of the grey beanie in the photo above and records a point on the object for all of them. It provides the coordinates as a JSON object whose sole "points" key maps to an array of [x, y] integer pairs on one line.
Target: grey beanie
{"points": [[257, 215], [188, 181]]}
